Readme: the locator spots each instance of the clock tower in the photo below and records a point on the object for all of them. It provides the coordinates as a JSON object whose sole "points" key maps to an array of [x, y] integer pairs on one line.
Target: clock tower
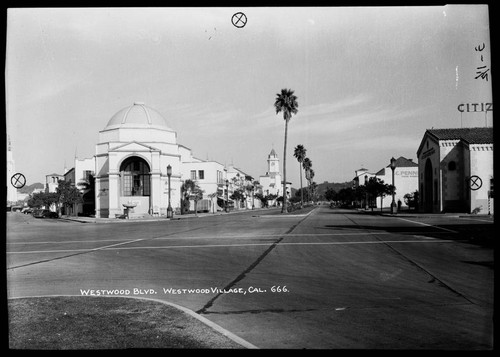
{"points": [[273, 163]]}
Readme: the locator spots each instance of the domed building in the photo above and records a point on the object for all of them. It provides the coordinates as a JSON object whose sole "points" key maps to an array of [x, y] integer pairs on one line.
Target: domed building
{"points": [[132, 155]]}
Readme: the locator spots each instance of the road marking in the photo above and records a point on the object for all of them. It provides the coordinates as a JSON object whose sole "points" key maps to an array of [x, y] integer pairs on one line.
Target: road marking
{"points": [[114, 246], [226, 237], [427, 225]]}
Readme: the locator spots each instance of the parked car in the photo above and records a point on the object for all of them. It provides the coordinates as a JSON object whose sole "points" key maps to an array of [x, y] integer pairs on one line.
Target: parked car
{"points": [[45, 213], [27, 210]]}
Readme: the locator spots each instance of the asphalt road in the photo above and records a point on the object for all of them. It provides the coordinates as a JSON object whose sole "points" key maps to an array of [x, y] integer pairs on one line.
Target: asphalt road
{"points": [[332, 279]]}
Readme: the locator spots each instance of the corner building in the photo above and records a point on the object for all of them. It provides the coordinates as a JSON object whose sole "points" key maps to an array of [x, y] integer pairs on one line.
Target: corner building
{"points": [[132, 155], [456, 170]]}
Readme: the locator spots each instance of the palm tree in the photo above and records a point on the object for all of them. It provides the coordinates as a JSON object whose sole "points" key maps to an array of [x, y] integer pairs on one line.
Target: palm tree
{"points": [[300, 155], [286, 102], [311, 183], [307, 164]]}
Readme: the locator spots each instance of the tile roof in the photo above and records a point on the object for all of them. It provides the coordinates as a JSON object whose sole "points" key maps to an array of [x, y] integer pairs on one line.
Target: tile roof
{"points": [[404, 162], [470, 135]]}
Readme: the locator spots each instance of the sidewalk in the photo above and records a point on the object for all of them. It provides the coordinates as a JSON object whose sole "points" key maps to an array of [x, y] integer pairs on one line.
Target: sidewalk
{"points": [[405, 213], [161, 218]]}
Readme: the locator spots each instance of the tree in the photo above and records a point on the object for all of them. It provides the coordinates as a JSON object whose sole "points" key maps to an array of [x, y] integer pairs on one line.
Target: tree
{"points": [[68, 194], [300, 155], [307, 165], [249, 188], [212, 203], [262, 198], [311, 183], [43, 199], [286, 102], [36, 200], [376, 187], [87, 188], [191, 190], [411, 200], [196, 195], [330, 194], [238, 195]]}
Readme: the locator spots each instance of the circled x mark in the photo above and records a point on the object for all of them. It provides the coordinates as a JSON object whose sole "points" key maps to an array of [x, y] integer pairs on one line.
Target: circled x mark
{"points": [[475, 183], [239, 19], [18, 180]]}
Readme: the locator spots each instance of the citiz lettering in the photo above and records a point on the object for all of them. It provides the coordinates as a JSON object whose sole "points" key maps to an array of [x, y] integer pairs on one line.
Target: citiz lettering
{"points": [[475, 107]]}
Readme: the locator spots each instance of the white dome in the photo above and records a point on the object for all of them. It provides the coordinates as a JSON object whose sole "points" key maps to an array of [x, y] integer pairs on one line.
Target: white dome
{"points": [[137, 115]]}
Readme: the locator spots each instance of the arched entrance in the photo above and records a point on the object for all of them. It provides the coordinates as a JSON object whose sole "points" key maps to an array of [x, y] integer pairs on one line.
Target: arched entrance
{"points": [[428, 194], [135, 182]]}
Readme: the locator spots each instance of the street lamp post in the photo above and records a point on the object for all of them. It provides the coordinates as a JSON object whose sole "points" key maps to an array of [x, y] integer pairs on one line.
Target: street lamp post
{"points": [[227, 194], [170, 212], [393, 203]]}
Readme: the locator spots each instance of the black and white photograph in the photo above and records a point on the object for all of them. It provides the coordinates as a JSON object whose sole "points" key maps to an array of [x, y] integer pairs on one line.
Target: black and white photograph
{"points": [[255, 177]]}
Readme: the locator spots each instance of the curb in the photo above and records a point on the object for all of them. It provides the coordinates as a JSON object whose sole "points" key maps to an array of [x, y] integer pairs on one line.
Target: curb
{"points": [[164, 219], [200, 318]]}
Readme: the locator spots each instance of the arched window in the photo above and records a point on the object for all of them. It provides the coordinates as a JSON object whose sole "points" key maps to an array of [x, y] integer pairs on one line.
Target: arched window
{"points": [[452, 166], [135, 177]]}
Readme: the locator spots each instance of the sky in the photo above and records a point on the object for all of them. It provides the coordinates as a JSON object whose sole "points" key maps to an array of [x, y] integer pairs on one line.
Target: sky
{"points": [[369, 80]]}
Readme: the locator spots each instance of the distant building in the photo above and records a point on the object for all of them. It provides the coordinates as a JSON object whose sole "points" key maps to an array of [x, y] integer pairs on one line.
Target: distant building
{"points": [[456, 170], [361, 176], [52, 182], [82, 177], [405, 180], [242, 181], [272, 182], [210, 177]]}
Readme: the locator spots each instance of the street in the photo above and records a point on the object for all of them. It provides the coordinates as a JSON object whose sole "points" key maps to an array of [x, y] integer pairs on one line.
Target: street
{"points": [[328, 279]]}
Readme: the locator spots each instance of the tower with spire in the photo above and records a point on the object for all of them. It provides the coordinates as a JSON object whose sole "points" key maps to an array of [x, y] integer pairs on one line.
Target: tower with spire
{"points": [[271, 182], [11, 170]]}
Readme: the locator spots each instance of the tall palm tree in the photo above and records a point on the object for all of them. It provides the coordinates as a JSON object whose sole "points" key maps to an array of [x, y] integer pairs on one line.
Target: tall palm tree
{"points": [[311, 183], [286, 102], [307, 164], [300, 155]]}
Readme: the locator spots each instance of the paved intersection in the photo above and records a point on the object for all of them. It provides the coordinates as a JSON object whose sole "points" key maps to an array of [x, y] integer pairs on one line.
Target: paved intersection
{"points": [[331, 279]]}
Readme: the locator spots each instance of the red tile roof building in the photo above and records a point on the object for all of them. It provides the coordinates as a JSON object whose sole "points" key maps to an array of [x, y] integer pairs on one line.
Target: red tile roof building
{"points": [[456, 170]]}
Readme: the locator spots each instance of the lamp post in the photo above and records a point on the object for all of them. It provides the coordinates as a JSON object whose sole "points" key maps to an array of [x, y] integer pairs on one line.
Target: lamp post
{"points": [[170, 212], [393, 203], [227, 194], [366, 192]]}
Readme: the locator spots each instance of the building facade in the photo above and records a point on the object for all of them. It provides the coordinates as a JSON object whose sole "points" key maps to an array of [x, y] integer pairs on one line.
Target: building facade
{"points": [[52, 182], [405, 181], [210, 176], [272, 182], [81, 175], [132, 155], [456, 170]]}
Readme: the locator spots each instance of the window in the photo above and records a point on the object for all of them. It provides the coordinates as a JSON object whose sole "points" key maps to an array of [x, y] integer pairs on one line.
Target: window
{"points": [[201, 174], [452, 166], [88, 173], [193, 175]]}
